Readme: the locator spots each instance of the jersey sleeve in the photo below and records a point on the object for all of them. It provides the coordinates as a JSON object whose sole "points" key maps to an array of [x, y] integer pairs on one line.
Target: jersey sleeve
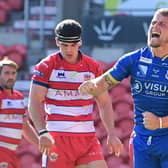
{"points": [[41, 73], [121, 69]]}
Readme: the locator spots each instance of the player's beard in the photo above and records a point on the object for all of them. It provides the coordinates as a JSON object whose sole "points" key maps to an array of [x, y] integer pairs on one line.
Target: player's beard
{"points": [[9, 84]]}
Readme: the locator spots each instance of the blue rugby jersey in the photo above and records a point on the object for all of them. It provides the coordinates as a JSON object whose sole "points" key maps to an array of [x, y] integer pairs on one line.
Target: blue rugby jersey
{"points": [[149, 85]]}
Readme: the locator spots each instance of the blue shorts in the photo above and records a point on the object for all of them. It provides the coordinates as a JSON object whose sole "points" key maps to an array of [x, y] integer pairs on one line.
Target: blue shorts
{"points": [[150, 151]]}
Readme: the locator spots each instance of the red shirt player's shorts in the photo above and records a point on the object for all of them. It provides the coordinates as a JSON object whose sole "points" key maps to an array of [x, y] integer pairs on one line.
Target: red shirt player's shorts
{"points": [[71, 151], [8, 158]]}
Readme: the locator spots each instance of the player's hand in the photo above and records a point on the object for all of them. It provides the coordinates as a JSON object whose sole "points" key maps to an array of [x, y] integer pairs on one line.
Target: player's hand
{"points": [[114, 145], [46, 142], [150, 120], [87, 87]]}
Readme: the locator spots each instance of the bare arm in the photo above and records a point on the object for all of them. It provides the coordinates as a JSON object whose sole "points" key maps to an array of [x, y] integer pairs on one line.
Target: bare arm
{"points": [[29, 132], [107, 117], [37, 113], [36, 106], [97, 86]]}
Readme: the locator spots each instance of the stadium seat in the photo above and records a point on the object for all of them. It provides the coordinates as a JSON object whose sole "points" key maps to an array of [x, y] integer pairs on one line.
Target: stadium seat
{"points": [[5, 5], [3, 15], [104, 65], [117, 91], [16, 57], [122, 109], [16, 4], [126, 125], [22, 49]]}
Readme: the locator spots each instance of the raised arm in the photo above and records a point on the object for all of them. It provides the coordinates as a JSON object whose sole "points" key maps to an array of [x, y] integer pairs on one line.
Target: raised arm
{"points": [[98, 85]]}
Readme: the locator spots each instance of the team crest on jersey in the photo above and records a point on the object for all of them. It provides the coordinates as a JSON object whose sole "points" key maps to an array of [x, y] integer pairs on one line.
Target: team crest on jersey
{"points": [[155, 72], [53, 156], [61, 74], [3, 165], [87, 77]]}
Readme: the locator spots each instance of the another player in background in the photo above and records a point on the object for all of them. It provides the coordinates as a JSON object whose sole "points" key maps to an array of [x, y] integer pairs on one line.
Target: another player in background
{"points": [[69, 124], [12, 116], [148, 68]]}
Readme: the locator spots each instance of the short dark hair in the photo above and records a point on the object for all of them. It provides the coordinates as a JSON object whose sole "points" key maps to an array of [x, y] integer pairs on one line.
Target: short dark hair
{"points": [[68, 30], [7, 62]]}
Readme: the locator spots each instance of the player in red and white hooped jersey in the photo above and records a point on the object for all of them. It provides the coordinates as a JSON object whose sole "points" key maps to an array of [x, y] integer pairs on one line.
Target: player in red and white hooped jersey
{"points": [[12, 119], [62, 116], [68, 112]]}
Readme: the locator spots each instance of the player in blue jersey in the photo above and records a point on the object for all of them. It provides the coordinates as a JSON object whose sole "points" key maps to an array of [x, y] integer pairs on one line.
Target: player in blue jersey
{"points": [[148, 69]]}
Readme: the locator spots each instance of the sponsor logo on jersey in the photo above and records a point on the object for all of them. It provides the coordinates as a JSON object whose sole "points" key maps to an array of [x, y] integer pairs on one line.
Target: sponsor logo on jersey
{"points": [[145, 60], [151, 88], [87, 77], [38, 73], [73, 74], [67, 93]]}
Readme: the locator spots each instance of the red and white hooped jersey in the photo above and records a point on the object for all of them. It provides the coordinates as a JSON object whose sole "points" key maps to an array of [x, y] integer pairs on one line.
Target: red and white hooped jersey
{"points": [[12, 109], [68, 112]]}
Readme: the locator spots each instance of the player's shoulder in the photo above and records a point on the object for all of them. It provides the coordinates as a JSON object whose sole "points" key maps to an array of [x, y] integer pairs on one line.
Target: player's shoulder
{"points": [[89, 59], [18, 94], [50, 58], [46, 62], [137, 54]]}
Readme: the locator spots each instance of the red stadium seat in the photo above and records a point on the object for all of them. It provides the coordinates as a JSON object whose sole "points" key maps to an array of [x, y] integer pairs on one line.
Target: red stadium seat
{"points": [[16, 57], [118, 91], [122, 109], [3, 15], [103, 64], [126, 125], [5, 5], [19, 48], [16, 4]]}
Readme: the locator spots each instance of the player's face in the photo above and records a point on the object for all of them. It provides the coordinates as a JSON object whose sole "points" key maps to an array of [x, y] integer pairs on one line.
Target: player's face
{"points": [[8, 77], [158, 31], [69, 51]]}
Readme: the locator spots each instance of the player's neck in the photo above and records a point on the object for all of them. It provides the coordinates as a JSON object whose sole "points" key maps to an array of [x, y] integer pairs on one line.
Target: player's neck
{"points": [[160, 52]]}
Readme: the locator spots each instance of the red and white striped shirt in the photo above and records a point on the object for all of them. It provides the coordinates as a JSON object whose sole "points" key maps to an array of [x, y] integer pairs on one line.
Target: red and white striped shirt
{"points": [[12, 110], [68, 112]]}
